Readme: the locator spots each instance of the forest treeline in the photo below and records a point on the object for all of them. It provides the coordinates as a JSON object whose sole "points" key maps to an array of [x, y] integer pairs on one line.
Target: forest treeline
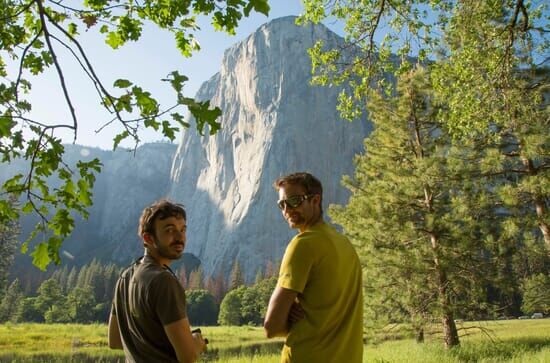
{"points": [[84, 295]]}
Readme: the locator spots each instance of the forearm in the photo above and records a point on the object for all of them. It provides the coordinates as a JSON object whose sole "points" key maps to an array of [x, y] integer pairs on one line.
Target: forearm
{"points": [[187, 346], [275, 329], [276, 320]]}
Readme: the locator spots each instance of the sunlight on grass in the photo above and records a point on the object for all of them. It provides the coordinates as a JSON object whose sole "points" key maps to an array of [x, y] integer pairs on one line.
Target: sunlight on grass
{"points": [[512, 341]]}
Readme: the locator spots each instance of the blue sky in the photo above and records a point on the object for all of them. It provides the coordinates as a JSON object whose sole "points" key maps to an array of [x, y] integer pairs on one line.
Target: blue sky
{"points": [[145, 62]]}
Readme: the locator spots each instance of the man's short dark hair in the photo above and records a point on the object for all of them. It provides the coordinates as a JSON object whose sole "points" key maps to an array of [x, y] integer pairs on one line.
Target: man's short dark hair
{"points": [[161, 209], [311, 184]]}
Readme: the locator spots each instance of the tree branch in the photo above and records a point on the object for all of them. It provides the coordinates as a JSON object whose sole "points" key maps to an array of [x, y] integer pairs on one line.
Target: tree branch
{"points": [[23, 55], [42, 14]]}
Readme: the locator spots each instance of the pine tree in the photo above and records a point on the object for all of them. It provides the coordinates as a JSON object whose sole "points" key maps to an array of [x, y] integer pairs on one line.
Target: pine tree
{"points": [[259, 276], [96, 279], [61, 275], [82, 276], [219, 287], [236, 277], [111, 274], [271, 269], [411, 214], [196, 279], [72, 279], [10, 302], [9, 231]]}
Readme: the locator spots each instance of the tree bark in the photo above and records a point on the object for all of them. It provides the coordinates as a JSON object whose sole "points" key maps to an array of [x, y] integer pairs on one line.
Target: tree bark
{"points": [[450, 333], [540, 206], [420, 335]]}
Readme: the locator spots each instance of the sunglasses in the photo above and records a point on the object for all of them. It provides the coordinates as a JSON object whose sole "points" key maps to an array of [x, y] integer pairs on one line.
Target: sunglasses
{"points": [[293, 202]]}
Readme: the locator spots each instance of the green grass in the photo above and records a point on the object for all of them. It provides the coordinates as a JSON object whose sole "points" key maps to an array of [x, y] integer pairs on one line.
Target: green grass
{"points": [[511, 341]]}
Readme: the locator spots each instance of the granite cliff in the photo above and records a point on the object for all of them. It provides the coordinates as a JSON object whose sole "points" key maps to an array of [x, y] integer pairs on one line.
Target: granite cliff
{"points": [[273, 123]]}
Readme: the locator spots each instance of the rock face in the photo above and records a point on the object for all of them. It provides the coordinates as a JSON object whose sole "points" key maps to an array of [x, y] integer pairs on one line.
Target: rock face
{"points": [[273, 123]]}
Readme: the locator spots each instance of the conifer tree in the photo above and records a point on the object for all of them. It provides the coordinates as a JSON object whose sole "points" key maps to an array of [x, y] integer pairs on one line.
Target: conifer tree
{"points": [[61, 275], [411, 214], [10, 302], [196, 279], [236, 277], [219, 287], [72, 279], [9, 231], [111, 274]]}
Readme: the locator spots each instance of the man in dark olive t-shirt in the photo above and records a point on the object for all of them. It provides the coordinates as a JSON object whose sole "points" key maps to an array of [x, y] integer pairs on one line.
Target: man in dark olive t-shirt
{"points": [[148, 316], [148, 297]]}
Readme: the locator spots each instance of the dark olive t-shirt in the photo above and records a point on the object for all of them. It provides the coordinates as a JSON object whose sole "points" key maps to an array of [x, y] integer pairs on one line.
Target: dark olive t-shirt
{"points": [[147, 297]]}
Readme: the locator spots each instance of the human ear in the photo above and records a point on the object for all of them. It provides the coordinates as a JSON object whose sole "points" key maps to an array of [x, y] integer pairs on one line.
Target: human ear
{"points": [[147, 239], [317, 199]]}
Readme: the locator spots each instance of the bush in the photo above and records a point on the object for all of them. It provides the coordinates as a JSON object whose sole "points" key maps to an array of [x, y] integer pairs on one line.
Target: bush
{"points": [[201, 307]]}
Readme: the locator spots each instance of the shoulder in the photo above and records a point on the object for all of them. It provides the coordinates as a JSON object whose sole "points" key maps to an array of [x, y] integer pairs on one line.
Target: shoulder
{"points": [[160, 276], [318, 232]]}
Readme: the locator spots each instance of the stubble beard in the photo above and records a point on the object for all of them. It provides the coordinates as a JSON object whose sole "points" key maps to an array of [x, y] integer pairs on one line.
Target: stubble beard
{"points": [[165, 252]]}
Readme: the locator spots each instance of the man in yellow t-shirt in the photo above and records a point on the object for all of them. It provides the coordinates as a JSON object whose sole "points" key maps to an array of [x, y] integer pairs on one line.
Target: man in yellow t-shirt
{"points": [[317, 304]]}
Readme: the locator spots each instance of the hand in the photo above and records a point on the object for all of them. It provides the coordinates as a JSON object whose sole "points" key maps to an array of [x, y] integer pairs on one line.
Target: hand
{"points": [[200, 342], [296, 313]]}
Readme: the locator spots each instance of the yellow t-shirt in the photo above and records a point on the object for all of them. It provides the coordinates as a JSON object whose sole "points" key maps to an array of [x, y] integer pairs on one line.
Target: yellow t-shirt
{"points": [[322, 266]]}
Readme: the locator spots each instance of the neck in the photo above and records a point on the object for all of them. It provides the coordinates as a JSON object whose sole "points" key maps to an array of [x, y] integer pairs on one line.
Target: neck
{"points": [[314, 221], [160, 260]]}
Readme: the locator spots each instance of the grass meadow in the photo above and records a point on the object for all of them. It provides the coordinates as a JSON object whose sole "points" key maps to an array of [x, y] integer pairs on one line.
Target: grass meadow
{"points": [[508, 341]]}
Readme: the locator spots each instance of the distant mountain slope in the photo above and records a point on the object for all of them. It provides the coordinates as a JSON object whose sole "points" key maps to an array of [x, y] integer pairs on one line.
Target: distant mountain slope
{"points": [[274, 123], [125, 186]]}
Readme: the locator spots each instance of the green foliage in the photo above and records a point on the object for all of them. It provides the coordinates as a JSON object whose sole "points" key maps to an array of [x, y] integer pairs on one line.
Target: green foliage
{"points": [[414, 215], [80, 305], [28, 311], [201, 307], [480, 175], [477, 46], [247, 305], [78, 296], [236, 278], [50, 298], [33, 34], [230, 308], [536, 294], [10, 301], [8, 246], [57, 314]]}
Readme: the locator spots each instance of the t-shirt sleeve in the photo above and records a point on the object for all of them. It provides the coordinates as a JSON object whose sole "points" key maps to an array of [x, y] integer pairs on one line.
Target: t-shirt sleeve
{"points": [[168, 298], [296, 266]]}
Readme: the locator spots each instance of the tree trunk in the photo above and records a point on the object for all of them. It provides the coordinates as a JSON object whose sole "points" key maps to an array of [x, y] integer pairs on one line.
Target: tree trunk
{"points": [[450, 334], [540, 205], [420, 335]]}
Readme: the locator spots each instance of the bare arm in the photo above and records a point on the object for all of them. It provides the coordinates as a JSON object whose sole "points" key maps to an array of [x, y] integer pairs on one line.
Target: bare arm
{"points": [[276, 318], [115, 341], [187, 345]]}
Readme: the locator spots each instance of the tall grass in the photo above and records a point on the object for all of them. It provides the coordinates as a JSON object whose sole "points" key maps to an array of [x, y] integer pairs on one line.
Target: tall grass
{"points": [[513, 341]]}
